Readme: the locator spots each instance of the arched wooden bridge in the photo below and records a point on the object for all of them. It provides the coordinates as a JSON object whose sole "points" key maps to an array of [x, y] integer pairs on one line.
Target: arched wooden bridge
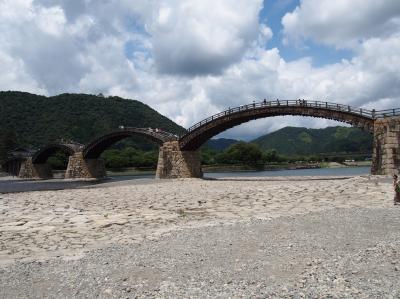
{"points": [[179, 156], [204, 130], [94, 149], [41, 156], [35, 165]]}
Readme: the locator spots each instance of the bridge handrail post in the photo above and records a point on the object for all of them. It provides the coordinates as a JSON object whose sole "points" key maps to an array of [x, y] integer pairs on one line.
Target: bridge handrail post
{"points": [[373, 113]]}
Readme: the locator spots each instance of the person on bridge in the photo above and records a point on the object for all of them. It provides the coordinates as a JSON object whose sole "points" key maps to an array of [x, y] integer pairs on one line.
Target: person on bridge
{"points": [[396, 185]]}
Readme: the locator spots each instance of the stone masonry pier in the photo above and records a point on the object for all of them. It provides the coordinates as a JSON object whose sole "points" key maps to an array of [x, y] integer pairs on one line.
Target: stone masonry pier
{"points": [[30, 170], [79, 167], [175, 163], [172, 163], [386, 148]]}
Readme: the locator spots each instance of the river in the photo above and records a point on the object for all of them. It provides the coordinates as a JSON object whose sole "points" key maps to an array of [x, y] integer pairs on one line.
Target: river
{"points": [[338, 171], [16, 185]]}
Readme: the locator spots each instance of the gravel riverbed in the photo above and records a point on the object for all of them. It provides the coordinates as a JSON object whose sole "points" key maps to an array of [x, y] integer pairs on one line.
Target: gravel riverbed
{"points": [[337, 253]]}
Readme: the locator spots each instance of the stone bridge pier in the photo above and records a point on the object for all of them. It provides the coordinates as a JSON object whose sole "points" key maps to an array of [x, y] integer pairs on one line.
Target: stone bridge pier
{"points": [[30, 170], [172, 163], [175, 163], [386, 147], [79, 167]]}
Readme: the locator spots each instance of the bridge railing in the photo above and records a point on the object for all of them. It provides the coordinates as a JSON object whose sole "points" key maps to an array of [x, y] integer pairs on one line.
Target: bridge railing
{"points": [[373, 114], [152, 131], [387, 113]]}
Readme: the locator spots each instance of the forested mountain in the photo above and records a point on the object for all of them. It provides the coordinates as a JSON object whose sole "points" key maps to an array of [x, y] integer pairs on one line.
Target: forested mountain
{"points": [[220, 144], [36, 120], [303, 141]]}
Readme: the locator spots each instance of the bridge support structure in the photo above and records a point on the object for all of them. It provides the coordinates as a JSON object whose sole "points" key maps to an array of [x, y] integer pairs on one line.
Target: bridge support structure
{"points": [[79, 167], [30, 170], [175, 163], [386, 147]]}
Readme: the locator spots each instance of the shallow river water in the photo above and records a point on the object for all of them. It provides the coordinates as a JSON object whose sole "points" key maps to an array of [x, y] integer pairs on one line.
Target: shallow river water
{"points": [[15, 185], [340, 171]]}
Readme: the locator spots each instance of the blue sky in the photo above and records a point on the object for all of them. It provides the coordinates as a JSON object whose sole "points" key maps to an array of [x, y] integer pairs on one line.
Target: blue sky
{"points": [[191, 59], [272, 14]]}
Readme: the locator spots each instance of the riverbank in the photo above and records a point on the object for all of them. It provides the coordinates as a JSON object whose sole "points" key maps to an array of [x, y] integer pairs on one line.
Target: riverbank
{"points": [[202, 238], [67, 222], [307, 256]]}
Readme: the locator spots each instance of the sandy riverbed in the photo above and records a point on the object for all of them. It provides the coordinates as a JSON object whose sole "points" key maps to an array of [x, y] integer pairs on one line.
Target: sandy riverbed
{"points": [[73, 225], [50, 223]]}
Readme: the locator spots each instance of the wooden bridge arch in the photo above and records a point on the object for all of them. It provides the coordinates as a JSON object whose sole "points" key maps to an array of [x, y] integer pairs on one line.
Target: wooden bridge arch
{"points": [[35, 166], [41, 156], [94, 149], [213, 125]]}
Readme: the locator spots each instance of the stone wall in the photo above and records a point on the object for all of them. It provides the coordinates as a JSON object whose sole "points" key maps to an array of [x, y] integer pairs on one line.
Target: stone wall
{"points": [[174, 163], [29, 170], [386, 152], [78, 167]]}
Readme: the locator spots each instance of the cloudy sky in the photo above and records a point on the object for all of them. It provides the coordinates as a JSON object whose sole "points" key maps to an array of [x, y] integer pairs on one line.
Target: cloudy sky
{"points": [[189, 59]]}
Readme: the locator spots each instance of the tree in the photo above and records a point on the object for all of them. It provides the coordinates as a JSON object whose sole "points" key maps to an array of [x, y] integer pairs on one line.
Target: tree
{"points": [[8, 142], [271, 156], [59, 160], [207, 155], [241, 153]]}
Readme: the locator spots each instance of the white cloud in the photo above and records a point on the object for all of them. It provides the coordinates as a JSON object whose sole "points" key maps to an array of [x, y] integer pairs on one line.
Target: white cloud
{"points": [[203, 36], [190, 62], [369, 80], [51, 20], [342, 23], [16, 78]]}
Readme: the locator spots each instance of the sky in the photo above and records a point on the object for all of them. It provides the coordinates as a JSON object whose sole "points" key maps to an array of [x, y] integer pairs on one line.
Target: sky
{"points": [[189, 59]]}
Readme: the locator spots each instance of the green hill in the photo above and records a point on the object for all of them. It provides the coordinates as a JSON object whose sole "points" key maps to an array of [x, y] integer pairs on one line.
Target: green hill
{"points": [[220, 144], [303, 141], [38, 120]]}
